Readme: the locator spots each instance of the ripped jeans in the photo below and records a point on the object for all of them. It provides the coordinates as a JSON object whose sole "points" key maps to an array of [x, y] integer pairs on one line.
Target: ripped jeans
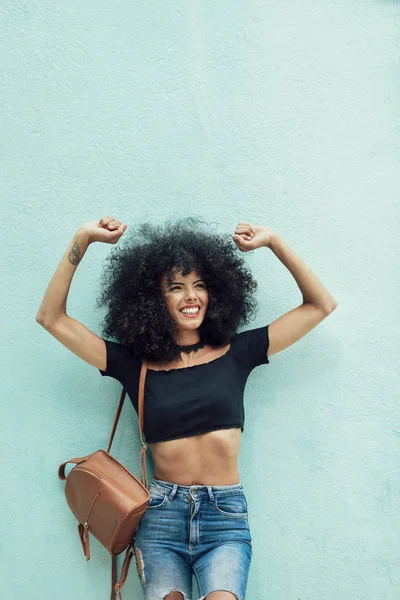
{"points": [[198, 530]]}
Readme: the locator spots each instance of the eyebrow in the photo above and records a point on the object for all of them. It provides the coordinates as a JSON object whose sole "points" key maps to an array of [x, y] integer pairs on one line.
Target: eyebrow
{"points": [[180, 283]]}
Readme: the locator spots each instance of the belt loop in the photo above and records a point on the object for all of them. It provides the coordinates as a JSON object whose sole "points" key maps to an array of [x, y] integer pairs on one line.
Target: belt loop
{"points": [[173, 491], [210, 493]]}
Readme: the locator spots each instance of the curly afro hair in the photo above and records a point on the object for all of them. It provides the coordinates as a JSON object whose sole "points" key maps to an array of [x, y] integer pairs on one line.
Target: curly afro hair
{"points": [[137, 315]]}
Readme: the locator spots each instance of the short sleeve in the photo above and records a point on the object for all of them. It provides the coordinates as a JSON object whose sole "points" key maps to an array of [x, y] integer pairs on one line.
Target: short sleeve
{"points": [[253, 346], [119, 360]]}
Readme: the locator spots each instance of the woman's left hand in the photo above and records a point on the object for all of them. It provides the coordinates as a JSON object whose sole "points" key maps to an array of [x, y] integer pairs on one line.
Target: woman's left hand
{"points": [[249, 237]]}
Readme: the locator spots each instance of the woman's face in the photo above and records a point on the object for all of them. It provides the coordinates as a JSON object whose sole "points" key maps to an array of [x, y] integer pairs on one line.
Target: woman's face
{"points": [[186, 291]]}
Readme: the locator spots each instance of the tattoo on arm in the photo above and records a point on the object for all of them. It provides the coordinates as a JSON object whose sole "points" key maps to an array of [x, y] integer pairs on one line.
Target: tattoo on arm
{"points": [[74, 255]]}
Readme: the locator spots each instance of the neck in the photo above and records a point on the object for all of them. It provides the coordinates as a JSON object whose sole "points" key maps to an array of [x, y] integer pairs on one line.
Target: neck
{"points": [[187, 338], [192, 341]]}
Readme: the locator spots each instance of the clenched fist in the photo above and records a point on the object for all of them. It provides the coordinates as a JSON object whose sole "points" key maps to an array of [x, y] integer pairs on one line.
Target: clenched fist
{"points": [[107, 230]]}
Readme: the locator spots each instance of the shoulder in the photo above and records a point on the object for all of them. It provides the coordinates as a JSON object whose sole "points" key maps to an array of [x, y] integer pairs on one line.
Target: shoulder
{"points": [[251, 346], [120, 359]]}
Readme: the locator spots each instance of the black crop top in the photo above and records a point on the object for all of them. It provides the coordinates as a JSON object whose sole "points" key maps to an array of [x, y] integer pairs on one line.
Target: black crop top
{"points": [[191, 400]]}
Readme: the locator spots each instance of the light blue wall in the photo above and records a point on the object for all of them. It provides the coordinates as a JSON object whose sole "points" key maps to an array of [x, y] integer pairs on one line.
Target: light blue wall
{"points": [[284, 114]]}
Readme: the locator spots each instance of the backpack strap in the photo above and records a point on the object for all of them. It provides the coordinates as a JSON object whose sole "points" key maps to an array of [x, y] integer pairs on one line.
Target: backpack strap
{"points": [[84, 537], [61, 469], [119, 409], [116, 586], [143, 464]]}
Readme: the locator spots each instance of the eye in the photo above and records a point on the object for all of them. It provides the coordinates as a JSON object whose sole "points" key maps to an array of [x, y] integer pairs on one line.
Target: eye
{"points": [[178, 287]]}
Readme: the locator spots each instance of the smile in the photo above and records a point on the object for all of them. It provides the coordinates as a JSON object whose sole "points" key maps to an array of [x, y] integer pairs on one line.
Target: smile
{"points": [[190, 312]]}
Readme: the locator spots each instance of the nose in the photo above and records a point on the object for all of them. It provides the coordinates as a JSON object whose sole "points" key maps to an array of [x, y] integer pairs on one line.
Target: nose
{"points": [[191, 296]]}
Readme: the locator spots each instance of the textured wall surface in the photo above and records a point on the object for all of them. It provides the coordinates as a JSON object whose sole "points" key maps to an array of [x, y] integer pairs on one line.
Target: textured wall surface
{"points": [[284, 114]]}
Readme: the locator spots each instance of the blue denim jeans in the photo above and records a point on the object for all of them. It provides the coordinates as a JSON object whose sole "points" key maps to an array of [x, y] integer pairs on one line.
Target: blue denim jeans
{"points": [[199, 530]]}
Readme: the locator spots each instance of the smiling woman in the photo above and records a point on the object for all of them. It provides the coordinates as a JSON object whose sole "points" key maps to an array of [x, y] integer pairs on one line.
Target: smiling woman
{"points": [[176, 296]]}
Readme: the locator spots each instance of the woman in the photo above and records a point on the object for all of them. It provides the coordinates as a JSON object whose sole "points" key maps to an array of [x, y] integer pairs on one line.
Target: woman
{"points": [[177, 295]]}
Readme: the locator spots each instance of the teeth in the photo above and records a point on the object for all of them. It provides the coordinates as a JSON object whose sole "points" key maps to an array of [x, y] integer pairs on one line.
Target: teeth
{"points": [[190, 311]]}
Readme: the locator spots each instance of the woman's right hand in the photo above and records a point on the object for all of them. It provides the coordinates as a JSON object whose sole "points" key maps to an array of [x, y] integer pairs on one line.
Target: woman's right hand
{"points": [[107, 230]]}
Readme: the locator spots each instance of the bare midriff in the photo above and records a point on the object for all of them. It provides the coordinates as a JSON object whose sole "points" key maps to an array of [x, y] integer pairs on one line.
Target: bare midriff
{"points": [[206, 459]]}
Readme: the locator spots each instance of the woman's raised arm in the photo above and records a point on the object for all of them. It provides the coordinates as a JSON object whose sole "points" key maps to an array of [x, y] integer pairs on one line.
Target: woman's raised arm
{"points": [[52, 314]]}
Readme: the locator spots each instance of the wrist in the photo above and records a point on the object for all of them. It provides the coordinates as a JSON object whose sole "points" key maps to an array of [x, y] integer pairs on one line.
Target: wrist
{"points": [[82, 235], [273, 241]]}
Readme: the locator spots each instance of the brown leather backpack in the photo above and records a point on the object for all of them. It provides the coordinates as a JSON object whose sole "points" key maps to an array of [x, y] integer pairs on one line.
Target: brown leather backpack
{"points": [[107, 499]]}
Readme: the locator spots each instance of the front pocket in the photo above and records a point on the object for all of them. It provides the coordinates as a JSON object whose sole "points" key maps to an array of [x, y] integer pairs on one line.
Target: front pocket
{"points": [[157, 497], [232, 505]]}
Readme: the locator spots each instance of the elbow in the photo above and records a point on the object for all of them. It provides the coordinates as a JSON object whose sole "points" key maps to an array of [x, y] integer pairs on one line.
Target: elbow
{"points": [[326, 308], [40, 320], [47, 321], [332, 307]]}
